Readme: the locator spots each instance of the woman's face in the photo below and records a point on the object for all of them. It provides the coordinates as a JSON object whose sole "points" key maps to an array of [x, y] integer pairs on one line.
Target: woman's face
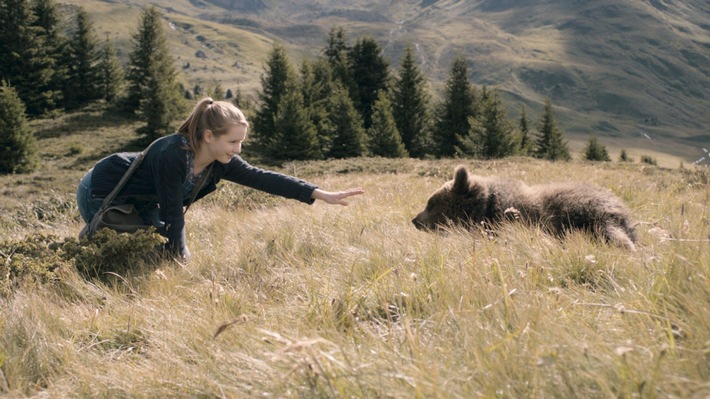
{"points": [[223, 148]]}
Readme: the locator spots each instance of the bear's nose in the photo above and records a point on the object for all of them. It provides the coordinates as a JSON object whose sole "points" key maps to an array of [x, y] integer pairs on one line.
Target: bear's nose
{"points": [[419, 225]]}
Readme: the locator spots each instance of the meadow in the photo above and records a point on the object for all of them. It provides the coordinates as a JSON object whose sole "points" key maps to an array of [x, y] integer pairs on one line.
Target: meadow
{"points": [[286, 300]]}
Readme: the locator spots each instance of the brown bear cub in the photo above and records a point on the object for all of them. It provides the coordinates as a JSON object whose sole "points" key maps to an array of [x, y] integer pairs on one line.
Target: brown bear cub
{"points": [[470, 200]]}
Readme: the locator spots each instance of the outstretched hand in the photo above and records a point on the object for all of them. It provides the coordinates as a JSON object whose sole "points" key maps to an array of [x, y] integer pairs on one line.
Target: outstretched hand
{"points": [[336, 197]]}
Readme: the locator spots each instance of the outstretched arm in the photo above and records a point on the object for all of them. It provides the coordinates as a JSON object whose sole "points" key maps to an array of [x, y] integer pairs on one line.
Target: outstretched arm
{"points": [[337, 197]]}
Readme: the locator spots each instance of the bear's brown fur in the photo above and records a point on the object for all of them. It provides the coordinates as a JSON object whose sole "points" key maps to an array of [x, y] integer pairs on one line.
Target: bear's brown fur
{"points": [[470, 200]]}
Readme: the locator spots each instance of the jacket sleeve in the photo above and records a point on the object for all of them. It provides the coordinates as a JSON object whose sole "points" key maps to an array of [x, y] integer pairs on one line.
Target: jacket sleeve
{"points": [[169, 173], [241, 172]]}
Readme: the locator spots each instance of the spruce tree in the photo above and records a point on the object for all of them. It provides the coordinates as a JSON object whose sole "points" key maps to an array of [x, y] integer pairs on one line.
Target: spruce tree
{"points": [[307, 83], [370, 74], [454, 113], [294, 133], [525, 136], [348, 136], [383, 138], [17, 142], [110, 72], [84, 76], [336, 52], [550, 143], [595, 151], [156, 109], [216, 91], [55, 43], [410, 105], [153, 90], [275, 82], [25, 61], [316, 86], [491, 134], [624, 157]]}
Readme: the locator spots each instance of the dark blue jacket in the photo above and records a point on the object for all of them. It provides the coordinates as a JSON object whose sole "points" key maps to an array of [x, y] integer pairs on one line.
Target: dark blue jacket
{"points": [[160, 178]]}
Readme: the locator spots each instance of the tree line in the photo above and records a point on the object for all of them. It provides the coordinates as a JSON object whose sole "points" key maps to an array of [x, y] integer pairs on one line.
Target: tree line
{"points": [[50, 66], [348, 103], [345, 103]]}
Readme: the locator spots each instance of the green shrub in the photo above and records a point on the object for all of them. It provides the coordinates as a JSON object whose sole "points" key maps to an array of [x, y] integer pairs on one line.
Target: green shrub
{"points": [[75, 149], [624, 157], [111, 252], [647, 159], [33, 260], [37, 258]]}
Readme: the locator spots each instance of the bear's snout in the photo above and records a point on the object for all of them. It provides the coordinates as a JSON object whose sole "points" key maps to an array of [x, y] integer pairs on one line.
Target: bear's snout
{"points": [[417, 221], [419, 225]]}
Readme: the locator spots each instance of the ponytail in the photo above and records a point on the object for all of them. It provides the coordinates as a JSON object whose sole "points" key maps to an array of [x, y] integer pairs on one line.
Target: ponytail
{"points": [[216, 116]]}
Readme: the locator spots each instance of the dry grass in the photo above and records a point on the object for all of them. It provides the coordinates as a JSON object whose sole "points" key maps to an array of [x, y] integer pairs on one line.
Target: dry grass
{"points": [[287, 300]]}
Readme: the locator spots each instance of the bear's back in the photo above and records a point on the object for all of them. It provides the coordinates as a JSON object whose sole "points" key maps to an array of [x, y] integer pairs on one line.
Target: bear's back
{"points": [[509, 194], [580, 205]]}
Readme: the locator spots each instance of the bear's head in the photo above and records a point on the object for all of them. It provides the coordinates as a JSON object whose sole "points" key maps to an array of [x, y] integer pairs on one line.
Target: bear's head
{"points": [[461, 201]]}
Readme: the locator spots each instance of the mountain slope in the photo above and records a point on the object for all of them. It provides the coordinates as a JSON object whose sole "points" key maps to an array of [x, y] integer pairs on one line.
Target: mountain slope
{"points": [[636, 73]]}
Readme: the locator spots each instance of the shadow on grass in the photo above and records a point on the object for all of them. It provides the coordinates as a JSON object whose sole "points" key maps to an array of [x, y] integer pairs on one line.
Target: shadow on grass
{"points": [[136, 145], [83, 121]]}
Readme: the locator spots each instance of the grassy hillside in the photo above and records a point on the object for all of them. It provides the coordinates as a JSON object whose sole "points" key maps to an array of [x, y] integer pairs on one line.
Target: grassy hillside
{"points": [[287, 300], [624, 71], [636, 74]]}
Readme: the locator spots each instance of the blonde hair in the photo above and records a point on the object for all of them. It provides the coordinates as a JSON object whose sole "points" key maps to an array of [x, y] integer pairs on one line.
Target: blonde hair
{"points": [[216, 116]]}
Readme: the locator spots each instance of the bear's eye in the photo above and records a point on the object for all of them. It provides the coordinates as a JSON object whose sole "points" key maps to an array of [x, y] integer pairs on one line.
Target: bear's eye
{"points": [[429, 207]]}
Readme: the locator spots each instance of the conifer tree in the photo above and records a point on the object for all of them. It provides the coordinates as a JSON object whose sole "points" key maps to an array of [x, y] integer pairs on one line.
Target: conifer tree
{"points": [[307, 83], [55, 43], [595, 151], [84, 76], [316, 86], [336, 52], [153, 91], [370, 74], [383, 138], [276, 80], [217, 91], [156, 108], [17, 142], [491, 134], [110, 72], [550, 143], [454, 113], [244, 102], [336, 44], [150, 55], [348, 136], [25, 61], [294, 133], [525, 136], [410, 103], [624, 157]]}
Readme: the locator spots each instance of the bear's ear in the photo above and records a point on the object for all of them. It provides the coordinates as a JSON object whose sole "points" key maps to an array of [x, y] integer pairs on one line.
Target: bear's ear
{"points": [[461, 184]]}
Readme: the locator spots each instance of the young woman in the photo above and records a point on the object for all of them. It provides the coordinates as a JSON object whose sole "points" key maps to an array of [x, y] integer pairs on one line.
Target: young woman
{"points": [[208, 142]]}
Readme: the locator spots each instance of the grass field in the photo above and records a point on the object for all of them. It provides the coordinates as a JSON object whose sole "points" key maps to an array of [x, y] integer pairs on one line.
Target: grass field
{"points": [[286, 300]]}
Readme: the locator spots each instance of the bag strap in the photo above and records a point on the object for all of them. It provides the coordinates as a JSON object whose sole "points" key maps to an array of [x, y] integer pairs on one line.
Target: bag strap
{"points": [[134, 165], [197, 187]]}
